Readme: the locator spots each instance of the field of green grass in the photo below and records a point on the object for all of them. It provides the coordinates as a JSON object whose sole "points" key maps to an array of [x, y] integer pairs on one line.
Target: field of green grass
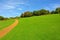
{"points": [[36, 28], [5, 23]]}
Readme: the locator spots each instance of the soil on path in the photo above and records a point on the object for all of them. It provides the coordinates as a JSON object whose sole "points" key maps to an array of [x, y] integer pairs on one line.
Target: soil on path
{"points": [[4, 31]]}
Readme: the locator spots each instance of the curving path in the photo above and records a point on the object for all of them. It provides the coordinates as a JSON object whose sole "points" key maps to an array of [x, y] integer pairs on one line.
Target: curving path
{"points": [[4, 31]]}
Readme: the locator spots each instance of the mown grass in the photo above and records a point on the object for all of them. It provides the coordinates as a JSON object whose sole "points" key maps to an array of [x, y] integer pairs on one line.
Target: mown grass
{"points": [[36, 28], [5, 23]]}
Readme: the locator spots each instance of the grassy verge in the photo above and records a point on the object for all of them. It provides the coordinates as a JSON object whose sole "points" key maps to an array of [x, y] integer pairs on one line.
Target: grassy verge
{"points": [[5, 23], [36, 28]]}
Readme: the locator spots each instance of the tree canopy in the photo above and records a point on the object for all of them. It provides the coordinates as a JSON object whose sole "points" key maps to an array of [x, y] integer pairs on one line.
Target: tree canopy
{"points": [[1, 18], [40, 12]]}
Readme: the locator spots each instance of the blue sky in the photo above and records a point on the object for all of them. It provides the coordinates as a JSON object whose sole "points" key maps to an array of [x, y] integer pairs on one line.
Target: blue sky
{"points": [[12, 8]]}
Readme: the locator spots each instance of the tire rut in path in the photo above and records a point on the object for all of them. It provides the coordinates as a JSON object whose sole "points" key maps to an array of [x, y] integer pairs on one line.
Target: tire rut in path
{"points": [[6, 30]]}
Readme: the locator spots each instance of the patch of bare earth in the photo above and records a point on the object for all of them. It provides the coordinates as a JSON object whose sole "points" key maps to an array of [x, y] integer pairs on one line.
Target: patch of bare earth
{"points": [[6, 30]]}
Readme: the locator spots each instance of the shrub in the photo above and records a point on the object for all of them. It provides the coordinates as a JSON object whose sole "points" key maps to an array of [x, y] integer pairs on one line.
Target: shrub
{"points": [[43, 12], [1, 18], [26, 14], [36, 13]]}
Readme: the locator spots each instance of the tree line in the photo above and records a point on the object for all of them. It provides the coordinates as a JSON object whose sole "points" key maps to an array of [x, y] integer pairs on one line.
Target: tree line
{"points": [[40, 12], [34, 13]]}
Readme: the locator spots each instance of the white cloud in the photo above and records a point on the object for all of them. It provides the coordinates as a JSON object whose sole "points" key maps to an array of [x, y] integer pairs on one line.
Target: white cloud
{"points": [[20, 9], [52, 6], [9, 7], [56, 5], [15, 3], [11, 4], [47, 8]]}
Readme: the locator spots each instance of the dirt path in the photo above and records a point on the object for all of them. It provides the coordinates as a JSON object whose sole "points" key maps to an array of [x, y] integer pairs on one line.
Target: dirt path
{"points": [[4, 31]]}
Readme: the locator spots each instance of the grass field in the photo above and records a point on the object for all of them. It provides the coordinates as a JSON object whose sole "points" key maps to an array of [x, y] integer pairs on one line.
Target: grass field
{"points": [[36, 28], [5, 23]]}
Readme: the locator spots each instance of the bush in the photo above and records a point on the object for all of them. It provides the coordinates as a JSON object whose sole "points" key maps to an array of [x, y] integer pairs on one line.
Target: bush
{"points": [[43, 12], [36, 13], [52, 12], [57, 11], [1, 18], [26, 14], [40, 12]]}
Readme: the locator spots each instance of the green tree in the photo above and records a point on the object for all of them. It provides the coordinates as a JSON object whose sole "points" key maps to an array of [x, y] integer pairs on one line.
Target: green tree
{"points": [[22, 15], [44, 12], [36, 13], [26, 14], [1, 18], [41, 12], [52, 12], [57, 11]]}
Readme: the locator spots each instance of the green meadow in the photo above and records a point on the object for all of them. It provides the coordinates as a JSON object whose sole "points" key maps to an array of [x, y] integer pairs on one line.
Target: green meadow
{"points": [[46, 27], [5, 23]]}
